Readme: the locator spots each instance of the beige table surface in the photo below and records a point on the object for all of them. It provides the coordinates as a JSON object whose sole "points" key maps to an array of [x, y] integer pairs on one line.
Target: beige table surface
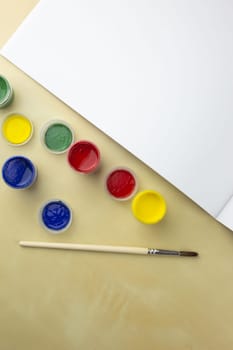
{"points": [[68, 300]]}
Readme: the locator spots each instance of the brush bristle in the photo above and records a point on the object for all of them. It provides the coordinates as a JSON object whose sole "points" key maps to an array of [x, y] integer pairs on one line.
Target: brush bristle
{"points": [[184, 253]]}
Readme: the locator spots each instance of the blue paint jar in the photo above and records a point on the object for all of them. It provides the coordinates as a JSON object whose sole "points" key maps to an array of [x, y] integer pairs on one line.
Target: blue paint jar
{"points": [[19, 172], [56, 216]]}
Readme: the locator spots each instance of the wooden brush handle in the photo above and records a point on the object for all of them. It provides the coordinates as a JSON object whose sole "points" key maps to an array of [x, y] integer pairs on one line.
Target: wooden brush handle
{"points": [[86, 247]]}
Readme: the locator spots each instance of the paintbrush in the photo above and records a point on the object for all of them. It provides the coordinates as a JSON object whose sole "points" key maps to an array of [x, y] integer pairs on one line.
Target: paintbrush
{"points": [[107, 248]]}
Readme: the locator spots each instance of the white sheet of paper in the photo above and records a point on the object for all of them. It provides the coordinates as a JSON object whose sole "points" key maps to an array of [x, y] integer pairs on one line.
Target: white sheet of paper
{"points": [[226, 215], [155, 75]]}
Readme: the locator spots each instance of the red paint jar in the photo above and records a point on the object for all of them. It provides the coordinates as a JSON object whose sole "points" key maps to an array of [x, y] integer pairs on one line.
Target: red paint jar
{"points": [[121, 183], [84, 157]]}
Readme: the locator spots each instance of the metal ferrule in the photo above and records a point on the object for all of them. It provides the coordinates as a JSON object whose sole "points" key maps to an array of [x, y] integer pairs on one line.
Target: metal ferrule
{"points": [[152, 251]]}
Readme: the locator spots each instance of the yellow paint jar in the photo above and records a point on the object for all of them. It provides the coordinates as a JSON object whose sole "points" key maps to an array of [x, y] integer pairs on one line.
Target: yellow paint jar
{"points": [[149, 207], [17, 129]]}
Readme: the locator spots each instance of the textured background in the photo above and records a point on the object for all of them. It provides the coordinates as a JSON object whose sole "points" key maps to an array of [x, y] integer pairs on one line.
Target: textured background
{"points": [[70, 300]]}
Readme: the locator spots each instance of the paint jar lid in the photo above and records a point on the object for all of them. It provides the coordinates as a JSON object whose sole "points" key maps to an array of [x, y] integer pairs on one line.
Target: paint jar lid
{"points": [[121, 183], [84, 157], [6, 92], [17, 129], [19, 172], [55, 216], [149, 207], [57, 136]]}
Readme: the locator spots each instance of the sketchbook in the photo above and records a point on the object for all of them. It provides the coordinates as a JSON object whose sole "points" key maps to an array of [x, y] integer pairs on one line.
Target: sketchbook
{"points": [[156, 76]]}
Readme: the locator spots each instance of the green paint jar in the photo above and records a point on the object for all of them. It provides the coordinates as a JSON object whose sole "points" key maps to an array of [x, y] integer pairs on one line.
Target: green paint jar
{"points": [[57, 136], [6, 92]]}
